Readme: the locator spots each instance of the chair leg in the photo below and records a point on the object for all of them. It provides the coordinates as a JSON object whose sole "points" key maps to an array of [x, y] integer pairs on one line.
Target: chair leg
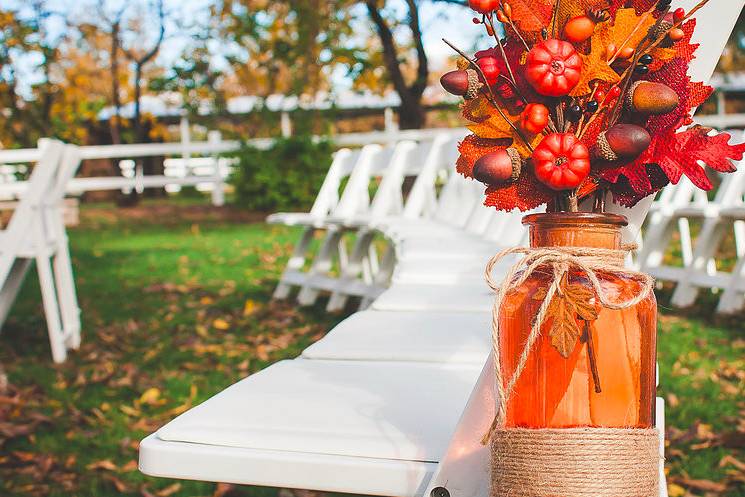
{"points": [[705, 248], [321, 266], [352, 270], [732, 299], [68, 298], [51, 308], [12, 286], [296, 262]]}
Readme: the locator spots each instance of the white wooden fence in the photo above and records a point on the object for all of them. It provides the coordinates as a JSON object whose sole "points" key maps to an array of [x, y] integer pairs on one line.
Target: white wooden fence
{"points": [[187, 163]]}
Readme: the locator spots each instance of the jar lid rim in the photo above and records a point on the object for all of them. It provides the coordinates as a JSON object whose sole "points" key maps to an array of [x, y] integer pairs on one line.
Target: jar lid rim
{"points": [[575, 218]]}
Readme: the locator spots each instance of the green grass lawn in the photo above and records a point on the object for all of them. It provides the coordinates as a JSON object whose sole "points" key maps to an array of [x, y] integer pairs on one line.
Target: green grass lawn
{"points": [[176, 307]]}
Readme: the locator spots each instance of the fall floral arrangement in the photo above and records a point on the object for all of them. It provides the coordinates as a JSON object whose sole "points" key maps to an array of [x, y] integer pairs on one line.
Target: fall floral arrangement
{"points": [[581, 97], [578, 98]]}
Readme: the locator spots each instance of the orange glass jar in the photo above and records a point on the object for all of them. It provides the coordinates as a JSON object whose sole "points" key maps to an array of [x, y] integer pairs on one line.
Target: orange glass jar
{"points": [[608, 378]]}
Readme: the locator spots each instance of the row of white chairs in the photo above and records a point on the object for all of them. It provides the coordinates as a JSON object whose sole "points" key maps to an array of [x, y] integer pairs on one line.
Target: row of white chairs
{"points": [[344, 209]]}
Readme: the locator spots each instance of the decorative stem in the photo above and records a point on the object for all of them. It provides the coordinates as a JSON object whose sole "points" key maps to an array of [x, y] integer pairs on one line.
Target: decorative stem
{"points": [[501, 50], [593, 359], [573, 204]]}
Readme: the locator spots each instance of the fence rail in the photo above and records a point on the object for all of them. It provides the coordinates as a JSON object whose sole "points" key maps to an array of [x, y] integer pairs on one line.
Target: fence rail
{"points": [[212, 174]]}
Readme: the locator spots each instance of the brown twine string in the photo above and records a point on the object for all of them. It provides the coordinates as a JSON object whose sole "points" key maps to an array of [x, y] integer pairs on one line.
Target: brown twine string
{"points": [[560, 260], [576, 462]]}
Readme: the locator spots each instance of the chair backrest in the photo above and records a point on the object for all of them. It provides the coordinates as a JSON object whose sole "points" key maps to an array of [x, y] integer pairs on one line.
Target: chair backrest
{"points": [[41, 190], [369, 163], [328, 196], [422, 200], [409, 160]]}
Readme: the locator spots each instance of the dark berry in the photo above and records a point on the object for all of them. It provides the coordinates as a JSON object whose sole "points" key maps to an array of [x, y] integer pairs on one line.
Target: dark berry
{"points": [[663, 4], [592, 106], [645, 59], [641, 69], [574, 112]]}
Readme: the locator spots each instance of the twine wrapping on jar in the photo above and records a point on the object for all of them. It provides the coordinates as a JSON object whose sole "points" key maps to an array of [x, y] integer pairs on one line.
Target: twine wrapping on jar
{"points": [[580, 462]]}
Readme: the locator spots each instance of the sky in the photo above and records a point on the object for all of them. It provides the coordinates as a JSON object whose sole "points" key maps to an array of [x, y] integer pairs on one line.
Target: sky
{"points": [[438, 20]]}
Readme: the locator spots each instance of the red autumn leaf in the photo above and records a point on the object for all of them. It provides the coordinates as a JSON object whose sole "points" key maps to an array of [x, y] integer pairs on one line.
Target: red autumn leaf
{"points": [[675, 154], [526, 193], [647, 179], [680, 153]]}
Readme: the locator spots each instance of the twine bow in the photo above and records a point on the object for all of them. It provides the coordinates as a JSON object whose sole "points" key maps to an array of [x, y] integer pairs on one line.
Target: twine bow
{"points": [[559, 260]]}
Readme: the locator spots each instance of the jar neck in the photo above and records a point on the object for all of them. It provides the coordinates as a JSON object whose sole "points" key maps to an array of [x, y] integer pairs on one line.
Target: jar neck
{"points": [[575, 229]]}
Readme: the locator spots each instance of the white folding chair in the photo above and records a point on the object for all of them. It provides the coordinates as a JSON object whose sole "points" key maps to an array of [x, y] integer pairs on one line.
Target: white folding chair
{"points": [[36, 232], [373, 162], [701, 272], [324, 205]]}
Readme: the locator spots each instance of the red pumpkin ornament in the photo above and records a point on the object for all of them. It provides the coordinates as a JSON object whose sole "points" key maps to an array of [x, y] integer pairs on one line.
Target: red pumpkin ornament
{"points": [[534, 118], [561, 161], [490, 67], [483, 6], [553, 67]]}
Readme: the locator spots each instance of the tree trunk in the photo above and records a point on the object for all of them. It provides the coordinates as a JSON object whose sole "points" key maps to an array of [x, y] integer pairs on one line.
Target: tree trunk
{"points": [[411, 114]]}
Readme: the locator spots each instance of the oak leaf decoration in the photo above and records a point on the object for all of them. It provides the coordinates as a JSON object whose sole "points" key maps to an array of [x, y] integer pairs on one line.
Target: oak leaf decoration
{"points": [[570, 302], [595, 64], [490, 124]]}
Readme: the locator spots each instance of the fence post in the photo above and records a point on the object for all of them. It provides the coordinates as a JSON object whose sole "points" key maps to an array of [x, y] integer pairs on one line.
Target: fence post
{"points": [[285, 124], [218, 185], [185, 131]]}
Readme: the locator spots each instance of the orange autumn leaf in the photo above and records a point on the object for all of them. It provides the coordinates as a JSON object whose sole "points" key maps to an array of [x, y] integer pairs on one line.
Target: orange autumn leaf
{"points": [[489, 124], [595, 64], [627, 30]]}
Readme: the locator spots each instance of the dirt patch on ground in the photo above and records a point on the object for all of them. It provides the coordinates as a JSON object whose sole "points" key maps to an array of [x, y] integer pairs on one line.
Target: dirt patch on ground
{"points": [[164, 213]]}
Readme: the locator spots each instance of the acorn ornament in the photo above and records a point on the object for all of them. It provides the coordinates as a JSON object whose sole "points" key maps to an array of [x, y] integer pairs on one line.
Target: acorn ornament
{"points": [[646, 97], [498, 168], [464, 83], [622, 142]]}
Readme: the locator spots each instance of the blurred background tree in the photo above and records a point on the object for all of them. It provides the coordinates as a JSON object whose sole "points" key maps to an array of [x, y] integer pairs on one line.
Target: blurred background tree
{"points": [[93, 72]]}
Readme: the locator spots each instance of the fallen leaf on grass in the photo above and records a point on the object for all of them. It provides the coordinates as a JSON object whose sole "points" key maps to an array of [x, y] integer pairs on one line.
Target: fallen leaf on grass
{"points": [[120, 486], [221, 324], [151, 396], [169, 490], [105, 464], [129, 467], [674, 490], [705, 485], [222, 489], [250, 307]]}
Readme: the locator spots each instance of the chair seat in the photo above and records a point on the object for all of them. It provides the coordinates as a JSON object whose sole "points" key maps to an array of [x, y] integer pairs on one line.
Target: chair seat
{"points": [[368, 417], [734, 213], [444, 246], [444, 298], [447, 270], [418, 337]]}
